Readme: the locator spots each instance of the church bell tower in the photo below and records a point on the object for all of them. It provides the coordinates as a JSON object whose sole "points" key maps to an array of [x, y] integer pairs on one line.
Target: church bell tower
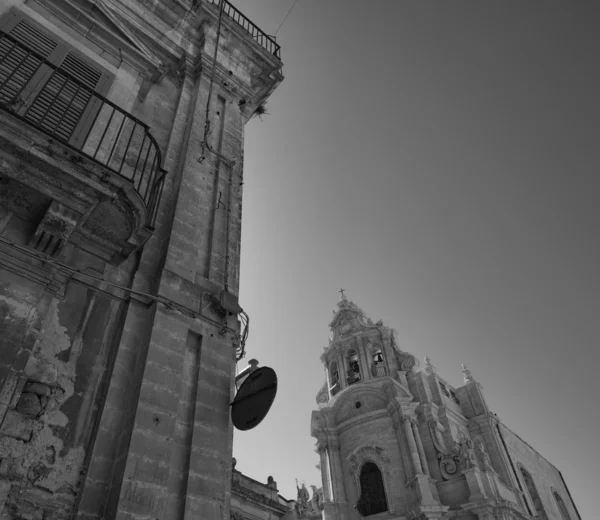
{"points": [[372, 458], [403, 444]]}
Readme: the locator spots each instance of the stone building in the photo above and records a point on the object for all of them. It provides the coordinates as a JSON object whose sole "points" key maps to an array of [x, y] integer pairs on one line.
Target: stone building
{"points": [[398, 442], [253, 500], [121, 151]]}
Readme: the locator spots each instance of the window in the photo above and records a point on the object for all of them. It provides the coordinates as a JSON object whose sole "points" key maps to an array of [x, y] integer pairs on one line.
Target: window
{"points": [[535, 497], [372, 493], [44, 81], [561, 507]]}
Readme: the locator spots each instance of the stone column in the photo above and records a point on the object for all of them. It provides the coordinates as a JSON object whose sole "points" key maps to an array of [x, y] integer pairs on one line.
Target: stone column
{"points": [[339, 491], [342, 371], [364, 362], [322, 449], [412, 445], [420, 449]]}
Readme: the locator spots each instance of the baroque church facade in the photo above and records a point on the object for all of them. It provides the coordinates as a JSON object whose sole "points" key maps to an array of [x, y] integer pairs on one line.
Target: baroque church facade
{"points": [[397, 441]]}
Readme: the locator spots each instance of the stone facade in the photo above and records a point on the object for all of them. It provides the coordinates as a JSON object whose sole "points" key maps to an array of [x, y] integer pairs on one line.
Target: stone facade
{"points": [[253, 500], [121, 153], [397, 441]]}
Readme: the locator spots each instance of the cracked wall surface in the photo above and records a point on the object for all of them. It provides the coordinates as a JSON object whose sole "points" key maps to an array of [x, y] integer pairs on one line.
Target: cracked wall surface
{"points": [[113, 404]]}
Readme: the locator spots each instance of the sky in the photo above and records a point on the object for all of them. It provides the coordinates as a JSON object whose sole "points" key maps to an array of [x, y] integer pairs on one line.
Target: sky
{"points": [[439, 161]]}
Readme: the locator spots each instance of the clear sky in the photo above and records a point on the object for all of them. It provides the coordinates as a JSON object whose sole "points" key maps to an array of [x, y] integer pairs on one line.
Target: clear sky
{"points": [[440, 162]]}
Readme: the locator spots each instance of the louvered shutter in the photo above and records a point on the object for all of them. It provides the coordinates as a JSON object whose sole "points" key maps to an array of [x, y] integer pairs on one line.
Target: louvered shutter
{"points": [[49, 98]]}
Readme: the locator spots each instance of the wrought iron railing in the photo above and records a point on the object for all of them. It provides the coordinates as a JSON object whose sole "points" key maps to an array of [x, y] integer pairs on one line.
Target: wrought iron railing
{"points": [[264, 40], [60, 105]]}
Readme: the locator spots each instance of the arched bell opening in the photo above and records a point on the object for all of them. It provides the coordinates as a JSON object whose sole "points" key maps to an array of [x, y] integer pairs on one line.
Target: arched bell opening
{"points": [[354, 372], [334, 379]]}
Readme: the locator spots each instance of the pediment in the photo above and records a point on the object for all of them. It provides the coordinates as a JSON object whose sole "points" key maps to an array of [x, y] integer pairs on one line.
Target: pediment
{"points": [[349, 319], [127, 31], [104, 25]]}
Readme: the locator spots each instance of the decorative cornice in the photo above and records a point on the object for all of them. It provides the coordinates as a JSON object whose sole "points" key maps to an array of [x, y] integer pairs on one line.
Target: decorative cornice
{"points": [[253, 496]]}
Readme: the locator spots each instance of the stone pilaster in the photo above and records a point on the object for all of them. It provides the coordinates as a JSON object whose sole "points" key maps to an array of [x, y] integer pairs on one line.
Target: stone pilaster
{"points": [[412, 445], [324, 466], [420, 448]]}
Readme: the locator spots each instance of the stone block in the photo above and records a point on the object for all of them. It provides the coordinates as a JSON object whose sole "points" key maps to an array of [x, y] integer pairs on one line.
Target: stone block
{"points": [[142, 499], [159, 422], [18, 426], [158, 396], [150, 445], [206, 486], [144, 469]]}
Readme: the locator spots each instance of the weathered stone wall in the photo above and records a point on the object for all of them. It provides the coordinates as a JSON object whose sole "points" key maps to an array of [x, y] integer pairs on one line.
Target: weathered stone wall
{"points": [[114, 404], [546, 477]]}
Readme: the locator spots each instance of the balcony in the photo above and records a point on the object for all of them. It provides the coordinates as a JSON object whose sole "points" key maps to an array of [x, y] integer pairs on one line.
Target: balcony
{"points": [[79, 149], [265, 41], [72, 113]]}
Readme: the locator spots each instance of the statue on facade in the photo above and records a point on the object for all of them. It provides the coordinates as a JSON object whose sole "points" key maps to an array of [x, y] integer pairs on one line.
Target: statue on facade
{"points": [[302, 504]]}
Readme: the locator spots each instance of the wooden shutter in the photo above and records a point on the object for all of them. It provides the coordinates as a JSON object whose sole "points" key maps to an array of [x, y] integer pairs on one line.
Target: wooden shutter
{"points": [[49, 98]]}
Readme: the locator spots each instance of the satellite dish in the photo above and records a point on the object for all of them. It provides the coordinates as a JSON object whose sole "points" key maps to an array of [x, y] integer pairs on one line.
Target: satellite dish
{"points": [[254, 399]]}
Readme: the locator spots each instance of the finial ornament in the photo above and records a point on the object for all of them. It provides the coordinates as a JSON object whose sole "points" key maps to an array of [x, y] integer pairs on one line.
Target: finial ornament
{"points": [[467, 374], [429, 368], [343, 297]]}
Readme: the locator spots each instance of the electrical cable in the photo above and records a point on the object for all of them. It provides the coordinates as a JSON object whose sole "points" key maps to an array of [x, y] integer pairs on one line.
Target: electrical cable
{"points": [[285, 18], [167, 302]]}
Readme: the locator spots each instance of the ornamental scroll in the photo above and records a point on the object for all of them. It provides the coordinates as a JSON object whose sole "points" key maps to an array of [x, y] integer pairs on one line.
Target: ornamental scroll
{"points": [[459, 457]]}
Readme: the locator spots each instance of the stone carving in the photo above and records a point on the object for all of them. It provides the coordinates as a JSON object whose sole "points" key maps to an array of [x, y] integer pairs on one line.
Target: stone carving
{"points": [[429, 368], [240, 490], [317, 499], [407, 362], [306, 506], [468, 377], [459, 457], [449, 464], [55, 229], [484, 456], [323, 395], [467, 452], [373, 453]]}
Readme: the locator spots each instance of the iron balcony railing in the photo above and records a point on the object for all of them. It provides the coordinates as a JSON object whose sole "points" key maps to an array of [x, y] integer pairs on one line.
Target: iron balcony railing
{"points": [[265, 41], [62, 106]]}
